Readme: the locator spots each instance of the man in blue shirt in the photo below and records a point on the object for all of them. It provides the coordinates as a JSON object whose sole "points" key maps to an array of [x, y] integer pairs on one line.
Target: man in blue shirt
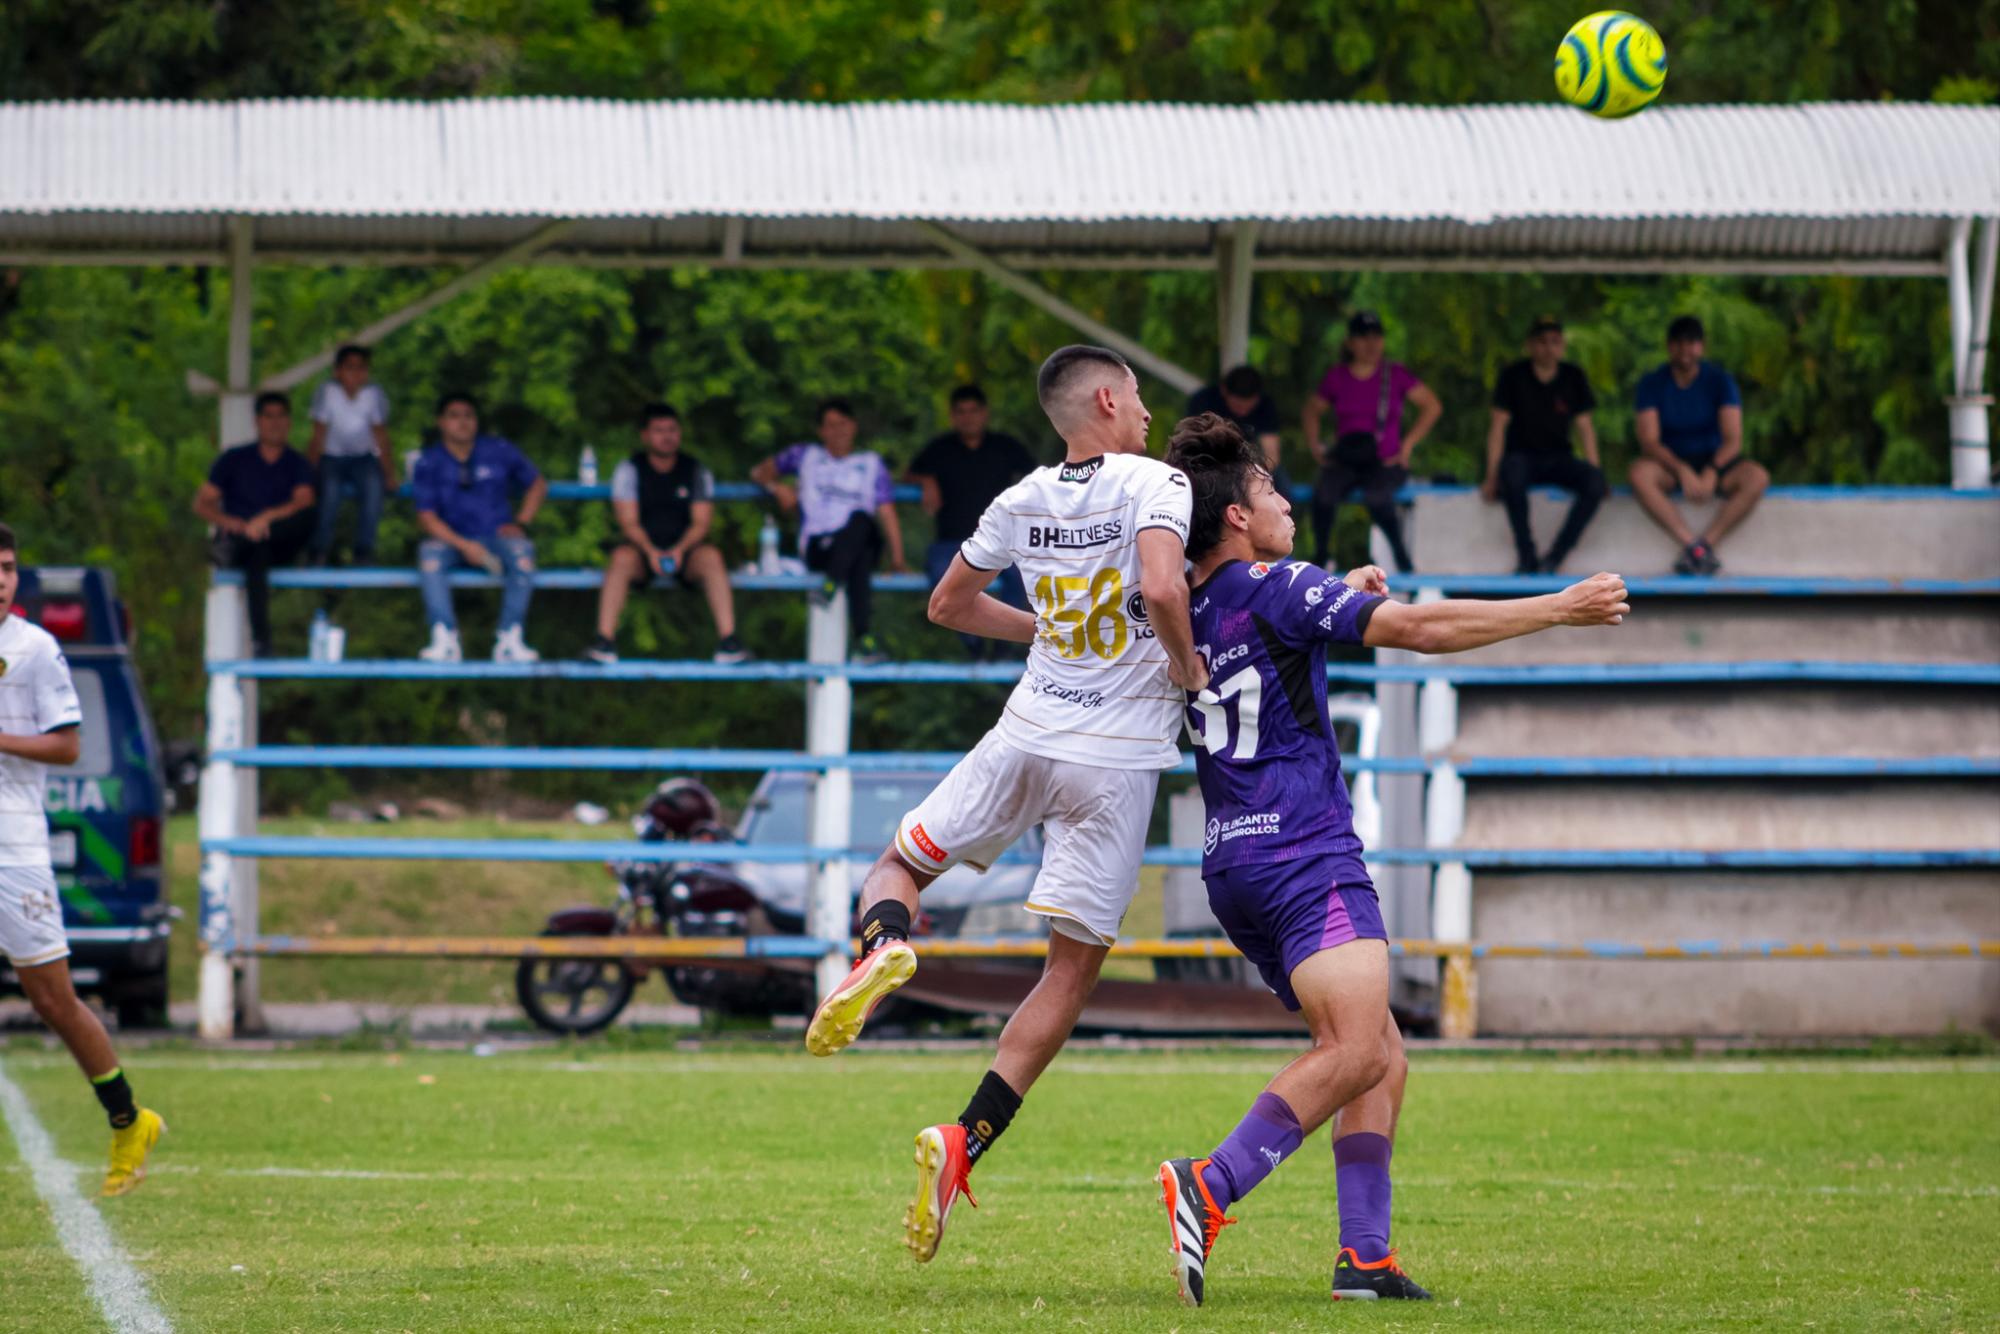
{"points": [[1689, 422], [259, 500], [1280, 857], [465, 483]]}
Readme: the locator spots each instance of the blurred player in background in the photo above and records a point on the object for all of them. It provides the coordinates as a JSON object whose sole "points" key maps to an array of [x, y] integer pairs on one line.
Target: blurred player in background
{"points": [[1100, 540], [41, 724], [1279, 854]]}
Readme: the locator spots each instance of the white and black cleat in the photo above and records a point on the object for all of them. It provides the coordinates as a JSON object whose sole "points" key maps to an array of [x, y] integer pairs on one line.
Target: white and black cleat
{"points": [[1193, 1221]]}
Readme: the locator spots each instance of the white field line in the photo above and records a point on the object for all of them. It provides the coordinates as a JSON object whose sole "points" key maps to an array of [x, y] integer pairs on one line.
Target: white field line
{"points": [[118, 1289]]}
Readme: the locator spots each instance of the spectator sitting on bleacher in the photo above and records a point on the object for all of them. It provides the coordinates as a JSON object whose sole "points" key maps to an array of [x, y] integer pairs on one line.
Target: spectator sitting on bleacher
{"points": [[1369, 448], [1689, 423], [960, 472], [664, 501], [259, 498], [847, 511], [464, 484], [1241, 399], [350, 448], [1536, 402]]}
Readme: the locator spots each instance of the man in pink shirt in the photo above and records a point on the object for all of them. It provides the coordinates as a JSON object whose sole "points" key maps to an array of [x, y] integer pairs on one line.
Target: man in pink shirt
{"points": [[1369, 449]]}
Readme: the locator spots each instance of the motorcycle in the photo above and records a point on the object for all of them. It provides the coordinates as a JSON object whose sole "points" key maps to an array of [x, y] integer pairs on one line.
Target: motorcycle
{"points": [[671, 899]]}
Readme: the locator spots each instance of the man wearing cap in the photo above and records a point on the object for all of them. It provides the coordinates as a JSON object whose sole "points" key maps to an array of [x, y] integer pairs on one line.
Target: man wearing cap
{"points": [[1537, 402], [1689, 423]]}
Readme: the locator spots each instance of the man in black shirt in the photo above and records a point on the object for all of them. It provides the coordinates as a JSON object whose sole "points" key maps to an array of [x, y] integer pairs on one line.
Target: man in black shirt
{"points": [[960, 473], [664, 501], [1241, 399], [1536, 403], [259, 500]]}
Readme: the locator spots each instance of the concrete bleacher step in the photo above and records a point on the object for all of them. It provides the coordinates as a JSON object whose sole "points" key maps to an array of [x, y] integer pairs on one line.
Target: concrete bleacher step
{"points": [[1926, 630], [1802, 999], [1869, 534], [1730, 720], [1722, 813]]}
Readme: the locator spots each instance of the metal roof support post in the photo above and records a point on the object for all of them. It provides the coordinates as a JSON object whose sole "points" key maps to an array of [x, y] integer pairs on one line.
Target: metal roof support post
{"points": [[830, 803], [1179, 377], [1971, 460], [1235, 268], [238, 421], [539, 239]]}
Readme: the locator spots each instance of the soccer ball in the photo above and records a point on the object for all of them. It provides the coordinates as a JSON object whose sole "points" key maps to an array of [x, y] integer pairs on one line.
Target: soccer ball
{"points": [[1611, 64]]}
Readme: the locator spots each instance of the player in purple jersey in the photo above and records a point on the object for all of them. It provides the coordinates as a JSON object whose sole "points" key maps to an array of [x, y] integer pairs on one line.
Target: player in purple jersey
{"points": [[1280, 856]]}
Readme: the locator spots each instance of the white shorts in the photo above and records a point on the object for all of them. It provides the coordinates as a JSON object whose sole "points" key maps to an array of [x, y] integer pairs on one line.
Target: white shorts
{"points": [[31, 928], [1093, 822]]}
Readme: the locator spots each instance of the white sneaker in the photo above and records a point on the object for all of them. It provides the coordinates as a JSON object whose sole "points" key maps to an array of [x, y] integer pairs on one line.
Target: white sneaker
{"points": [[509, 647], [443, 646]]}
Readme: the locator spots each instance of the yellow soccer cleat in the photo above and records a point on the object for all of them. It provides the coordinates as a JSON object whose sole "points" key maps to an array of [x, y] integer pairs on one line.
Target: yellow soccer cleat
{"points": [[129, 1148], [841, 1015]]}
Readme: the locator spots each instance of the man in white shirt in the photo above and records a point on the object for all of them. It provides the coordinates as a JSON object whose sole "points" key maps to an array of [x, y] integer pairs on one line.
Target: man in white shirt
{"points": [[1100, 540], [350, 448], [40, 722]]}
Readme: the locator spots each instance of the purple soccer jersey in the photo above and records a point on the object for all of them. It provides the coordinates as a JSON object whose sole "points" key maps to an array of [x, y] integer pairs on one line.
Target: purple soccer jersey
{"points": [[1264, 750]]}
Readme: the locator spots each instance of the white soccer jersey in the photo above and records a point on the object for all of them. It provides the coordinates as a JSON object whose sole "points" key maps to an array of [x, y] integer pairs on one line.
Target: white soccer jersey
{"points": [[1096, 689], [36, 696]]}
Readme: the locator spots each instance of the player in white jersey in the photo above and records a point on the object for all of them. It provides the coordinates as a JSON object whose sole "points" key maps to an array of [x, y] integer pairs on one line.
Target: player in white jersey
{"points": [[1101, 542], [40, 725]]}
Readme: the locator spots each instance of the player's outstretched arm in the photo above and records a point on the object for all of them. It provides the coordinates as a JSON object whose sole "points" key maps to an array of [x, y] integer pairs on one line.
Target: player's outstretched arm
{"points": [[960, 602], [1163, 581], [1458, 624]]}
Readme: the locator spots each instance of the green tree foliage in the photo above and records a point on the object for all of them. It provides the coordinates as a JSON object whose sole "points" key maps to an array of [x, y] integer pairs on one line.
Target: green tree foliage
{"points": [[101, 445]]}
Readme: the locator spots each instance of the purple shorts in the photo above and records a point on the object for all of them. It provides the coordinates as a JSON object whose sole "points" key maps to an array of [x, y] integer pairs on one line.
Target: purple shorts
{"points": [[1282, 913]]}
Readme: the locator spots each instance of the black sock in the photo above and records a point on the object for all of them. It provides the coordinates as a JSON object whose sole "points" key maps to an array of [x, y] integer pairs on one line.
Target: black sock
{"points": [[885, 920], [991, 1108], [116, 1095]]}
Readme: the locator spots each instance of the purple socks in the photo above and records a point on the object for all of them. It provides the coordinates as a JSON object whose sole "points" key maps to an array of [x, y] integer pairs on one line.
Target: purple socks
{"points": [[1361, 1173], [1264, 1138]]}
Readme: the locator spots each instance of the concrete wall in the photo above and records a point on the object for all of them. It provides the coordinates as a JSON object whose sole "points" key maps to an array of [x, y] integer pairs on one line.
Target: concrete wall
{"points": [[1727, 629], [1782, 998], [1732, 720], [1711, 814], [1458, 533]]}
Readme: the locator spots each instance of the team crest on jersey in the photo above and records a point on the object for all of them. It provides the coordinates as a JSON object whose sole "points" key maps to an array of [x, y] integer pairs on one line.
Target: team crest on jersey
{"points": [[1080, 472], [1259, 570]]}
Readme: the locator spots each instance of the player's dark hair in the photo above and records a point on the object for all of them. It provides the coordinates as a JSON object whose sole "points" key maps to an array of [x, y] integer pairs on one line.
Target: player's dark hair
{"points": [[352, 350], [457, 396], [839, 405], [1244, 382], [1066, 363], [968, 393], [267, 398], [7, 538], [652, 412], [1220, 466]]}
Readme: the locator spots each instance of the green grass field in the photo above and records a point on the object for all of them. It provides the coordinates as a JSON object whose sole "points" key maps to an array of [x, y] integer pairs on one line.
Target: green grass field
{"points": [[600, 1188]]}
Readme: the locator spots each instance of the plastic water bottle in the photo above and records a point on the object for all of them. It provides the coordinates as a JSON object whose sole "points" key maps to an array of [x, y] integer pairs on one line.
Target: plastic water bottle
{"points": [[586, 466], [335, 643], [767, 546], [316, 638]]}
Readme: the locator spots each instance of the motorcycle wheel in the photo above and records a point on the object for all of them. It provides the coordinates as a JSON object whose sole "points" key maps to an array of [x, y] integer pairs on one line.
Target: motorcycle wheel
{"points": [[572, 996]]}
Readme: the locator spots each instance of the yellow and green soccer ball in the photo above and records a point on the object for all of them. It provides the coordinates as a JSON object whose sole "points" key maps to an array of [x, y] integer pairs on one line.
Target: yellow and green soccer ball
{"points": [[1611, 64]]}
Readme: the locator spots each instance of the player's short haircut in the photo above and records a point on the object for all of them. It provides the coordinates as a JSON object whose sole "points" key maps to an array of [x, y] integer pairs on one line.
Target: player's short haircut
{"points": [[457, 396], [652, 412], [1068, 367], [1243, 382], [352, 350], [269, 397], [7, 538], [1220, 466], [968, 393], [1684, 329], [839, 405]]}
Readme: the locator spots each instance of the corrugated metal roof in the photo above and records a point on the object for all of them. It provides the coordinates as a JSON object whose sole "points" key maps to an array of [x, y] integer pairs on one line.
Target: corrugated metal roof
{"points": [[1328, 178]]}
